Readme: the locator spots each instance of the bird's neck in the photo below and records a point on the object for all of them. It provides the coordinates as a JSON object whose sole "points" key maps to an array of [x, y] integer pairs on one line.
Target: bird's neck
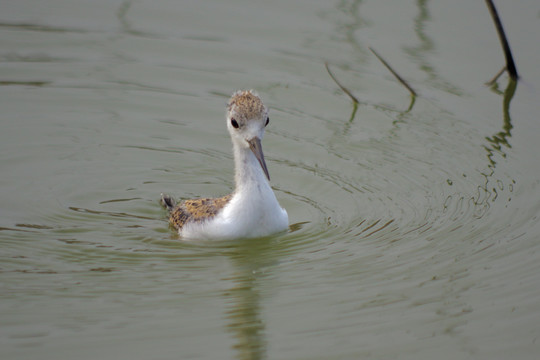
{"points": [[249, 175]]}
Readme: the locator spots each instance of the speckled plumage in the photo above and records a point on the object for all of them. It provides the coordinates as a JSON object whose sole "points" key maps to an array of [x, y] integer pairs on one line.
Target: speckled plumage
{"points": [[252, 210], [197, 210], [246, 104]]}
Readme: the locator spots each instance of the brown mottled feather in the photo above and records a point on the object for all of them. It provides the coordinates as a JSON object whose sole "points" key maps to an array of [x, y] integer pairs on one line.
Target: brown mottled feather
{"points": [[197, 210], [246, 105]]}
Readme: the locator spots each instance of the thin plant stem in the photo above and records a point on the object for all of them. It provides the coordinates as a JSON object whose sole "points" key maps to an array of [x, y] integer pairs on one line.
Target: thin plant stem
{"points": [[510, 65], [400, 79], [345, 90]]}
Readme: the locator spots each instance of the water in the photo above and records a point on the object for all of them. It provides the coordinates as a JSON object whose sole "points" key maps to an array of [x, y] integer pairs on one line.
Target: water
{"points": [[414, 226]]}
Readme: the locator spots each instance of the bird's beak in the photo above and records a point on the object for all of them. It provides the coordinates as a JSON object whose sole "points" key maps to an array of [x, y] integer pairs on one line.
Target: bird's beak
{"points": [[256, 148]]}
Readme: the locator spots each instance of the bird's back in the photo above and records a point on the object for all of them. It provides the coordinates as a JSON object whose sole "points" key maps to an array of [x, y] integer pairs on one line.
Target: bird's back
{"points": [[196, 210]]}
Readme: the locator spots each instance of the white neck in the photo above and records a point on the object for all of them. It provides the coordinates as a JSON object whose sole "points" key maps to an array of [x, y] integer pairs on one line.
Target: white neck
{"points": [[254, 205], [249, 175], [253, 210]]}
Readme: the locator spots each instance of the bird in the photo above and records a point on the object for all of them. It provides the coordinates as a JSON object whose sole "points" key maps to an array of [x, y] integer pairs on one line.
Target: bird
{"points": [[251, 210]]}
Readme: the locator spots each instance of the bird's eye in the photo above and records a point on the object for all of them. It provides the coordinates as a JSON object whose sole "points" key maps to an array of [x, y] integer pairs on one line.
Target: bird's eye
{"points": [[267, 121], [234, 123]]}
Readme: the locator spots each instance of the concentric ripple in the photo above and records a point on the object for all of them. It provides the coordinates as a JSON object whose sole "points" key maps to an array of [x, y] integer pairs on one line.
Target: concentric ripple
{"points": [[425, 176]]}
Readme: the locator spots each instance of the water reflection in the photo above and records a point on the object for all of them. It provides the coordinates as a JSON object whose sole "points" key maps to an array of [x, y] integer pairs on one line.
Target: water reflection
{"points": [[496, 143], [419, 52], [427, 45], [245, 322], [479, 192], [40, 28], [500, 139], [126, 25], [354, 23]]}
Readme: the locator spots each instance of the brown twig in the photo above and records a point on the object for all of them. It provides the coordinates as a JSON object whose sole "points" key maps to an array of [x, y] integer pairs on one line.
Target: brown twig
{"points": [[496, 77], [510, 65], [400, 79], [345, 90]]}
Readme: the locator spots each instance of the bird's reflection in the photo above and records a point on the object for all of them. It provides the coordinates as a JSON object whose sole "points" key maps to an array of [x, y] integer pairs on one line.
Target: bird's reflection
{"points": [[252, 261]]}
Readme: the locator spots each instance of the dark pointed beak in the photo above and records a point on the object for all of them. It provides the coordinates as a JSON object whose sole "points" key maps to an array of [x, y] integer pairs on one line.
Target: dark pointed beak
{"points": [[256, 148]]}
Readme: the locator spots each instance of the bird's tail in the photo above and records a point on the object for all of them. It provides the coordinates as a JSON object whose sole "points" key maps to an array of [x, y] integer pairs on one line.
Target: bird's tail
{"points": [[168, 202]]}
